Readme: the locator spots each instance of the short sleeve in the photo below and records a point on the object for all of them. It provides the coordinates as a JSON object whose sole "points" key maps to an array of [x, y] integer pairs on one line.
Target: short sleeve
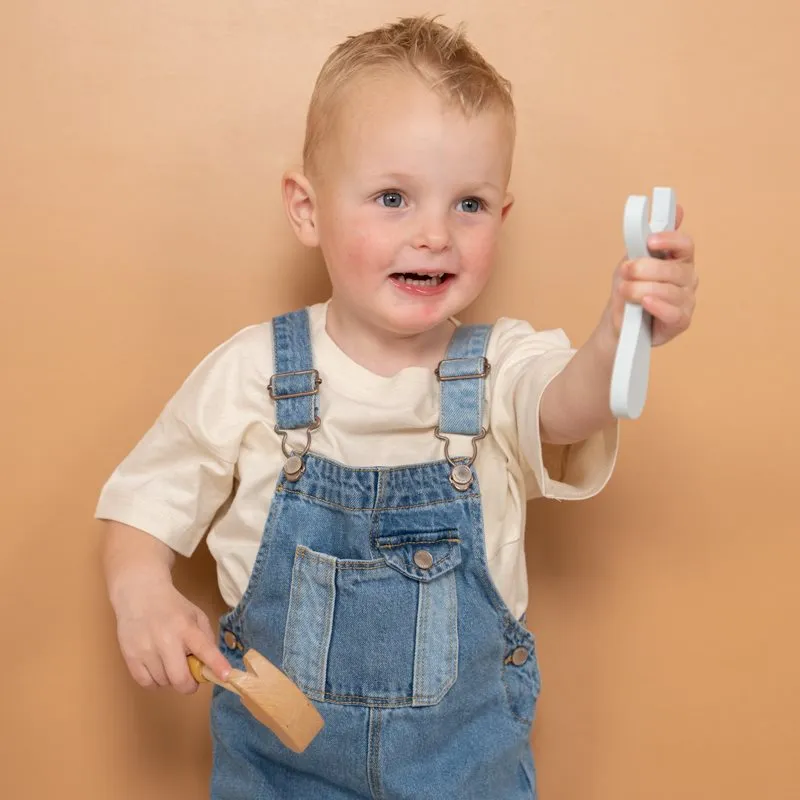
{"points": [[528, 360], [179, 474]]}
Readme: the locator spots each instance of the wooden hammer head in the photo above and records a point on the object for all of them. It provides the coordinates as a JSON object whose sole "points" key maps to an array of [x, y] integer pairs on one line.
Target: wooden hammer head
{"points": [[271, 697]]}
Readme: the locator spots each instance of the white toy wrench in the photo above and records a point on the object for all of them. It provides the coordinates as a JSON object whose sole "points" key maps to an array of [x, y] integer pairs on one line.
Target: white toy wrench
{"points": [[632, 361]]}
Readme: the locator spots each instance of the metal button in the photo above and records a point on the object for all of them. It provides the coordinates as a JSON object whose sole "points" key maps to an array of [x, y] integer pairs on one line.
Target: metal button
{"points": [[423, 559], [230, 640], [519, 656], [461, 477], [294, 468]]}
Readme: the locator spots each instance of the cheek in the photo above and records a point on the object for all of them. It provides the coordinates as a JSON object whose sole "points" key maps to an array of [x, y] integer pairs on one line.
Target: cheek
{"points": [[478, 250], [353, 248], [358, 250]]}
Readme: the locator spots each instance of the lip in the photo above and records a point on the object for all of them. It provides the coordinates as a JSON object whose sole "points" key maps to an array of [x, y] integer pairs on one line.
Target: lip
{"points": [[423, 291]]}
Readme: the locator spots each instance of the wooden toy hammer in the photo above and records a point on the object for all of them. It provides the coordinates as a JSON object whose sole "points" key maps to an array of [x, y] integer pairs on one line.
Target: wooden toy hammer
{"points": [[270, 696]]}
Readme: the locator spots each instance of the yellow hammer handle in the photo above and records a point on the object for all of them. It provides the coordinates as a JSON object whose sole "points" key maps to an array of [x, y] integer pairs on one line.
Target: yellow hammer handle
{"points": [[202, 674]]}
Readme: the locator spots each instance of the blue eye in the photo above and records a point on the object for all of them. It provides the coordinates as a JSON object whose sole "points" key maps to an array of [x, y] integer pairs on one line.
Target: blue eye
{"points": [[391, 199], [471, 205]]}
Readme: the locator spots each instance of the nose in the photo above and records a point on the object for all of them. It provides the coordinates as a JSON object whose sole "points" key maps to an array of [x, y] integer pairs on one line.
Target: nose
{"points": [[432, 233]]}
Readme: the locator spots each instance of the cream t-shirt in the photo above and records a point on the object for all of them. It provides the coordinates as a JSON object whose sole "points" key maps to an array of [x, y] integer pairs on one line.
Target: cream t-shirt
{"points": [[209, 464]]}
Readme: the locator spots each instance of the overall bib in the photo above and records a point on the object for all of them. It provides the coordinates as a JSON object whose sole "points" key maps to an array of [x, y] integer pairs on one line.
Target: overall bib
{"points": [[371, 591]]}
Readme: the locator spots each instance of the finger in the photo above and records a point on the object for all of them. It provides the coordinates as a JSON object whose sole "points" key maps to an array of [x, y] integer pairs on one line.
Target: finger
{"points": [[678, 215], [144, 664], [205, 625], [204, 648], [141, 674], [636, 291], [658, 271], [155, 667], [676, 317], [177, 668], [671, 244]]}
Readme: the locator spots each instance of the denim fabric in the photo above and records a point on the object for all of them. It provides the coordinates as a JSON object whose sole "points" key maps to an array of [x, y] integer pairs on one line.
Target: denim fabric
{"points": [[294, 372], [372, 592], [461, 407]]}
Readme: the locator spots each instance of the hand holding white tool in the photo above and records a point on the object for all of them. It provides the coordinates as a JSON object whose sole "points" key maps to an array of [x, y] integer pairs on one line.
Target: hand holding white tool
{"points": [[630, 374]]}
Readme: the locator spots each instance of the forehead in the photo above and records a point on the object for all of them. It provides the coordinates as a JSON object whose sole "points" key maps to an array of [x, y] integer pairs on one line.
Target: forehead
{"points": [[393, 121]]}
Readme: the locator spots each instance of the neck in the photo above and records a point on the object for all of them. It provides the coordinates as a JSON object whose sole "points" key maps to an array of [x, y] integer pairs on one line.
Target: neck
{"points": [[383, 352]]}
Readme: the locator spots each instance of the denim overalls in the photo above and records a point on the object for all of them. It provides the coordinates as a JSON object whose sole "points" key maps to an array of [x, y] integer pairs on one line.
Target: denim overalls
{"points": [[372, 592]]}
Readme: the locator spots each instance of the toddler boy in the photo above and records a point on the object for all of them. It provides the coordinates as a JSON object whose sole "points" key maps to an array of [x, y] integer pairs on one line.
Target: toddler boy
{"points": [[360, 468]]}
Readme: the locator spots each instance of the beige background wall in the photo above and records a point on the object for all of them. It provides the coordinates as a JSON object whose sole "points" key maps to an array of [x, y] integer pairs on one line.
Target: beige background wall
{"points": [[141, 146]]}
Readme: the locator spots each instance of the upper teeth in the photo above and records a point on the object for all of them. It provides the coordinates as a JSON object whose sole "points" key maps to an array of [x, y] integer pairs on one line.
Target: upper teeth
{"points": [[422, 281]]}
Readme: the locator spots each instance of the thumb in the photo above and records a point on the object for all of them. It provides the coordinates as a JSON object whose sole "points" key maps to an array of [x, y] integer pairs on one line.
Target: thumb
{"points": [[200, 644]]}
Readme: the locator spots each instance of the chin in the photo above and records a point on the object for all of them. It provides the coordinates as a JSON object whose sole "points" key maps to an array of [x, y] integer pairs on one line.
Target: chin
{"points": [[408, 320]]}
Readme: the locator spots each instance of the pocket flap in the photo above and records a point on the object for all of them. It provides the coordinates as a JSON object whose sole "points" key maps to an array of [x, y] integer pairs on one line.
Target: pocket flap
{"points": [[422, 557]]}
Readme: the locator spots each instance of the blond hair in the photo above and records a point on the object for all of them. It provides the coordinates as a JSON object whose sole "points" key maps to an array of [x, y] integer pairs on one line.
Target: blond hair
{"points": [[441, 56]]}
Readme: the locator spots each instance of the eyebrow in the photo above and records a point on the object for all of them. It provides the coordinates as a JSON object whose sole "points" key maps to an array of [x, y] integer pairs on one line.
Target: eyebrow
{"points": [[402, 177]]}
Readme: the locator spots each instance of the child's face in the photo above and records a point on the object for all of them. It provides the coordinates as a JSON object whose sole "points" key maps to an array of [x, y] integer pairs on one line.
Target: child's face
{"points": [[409, 189]]}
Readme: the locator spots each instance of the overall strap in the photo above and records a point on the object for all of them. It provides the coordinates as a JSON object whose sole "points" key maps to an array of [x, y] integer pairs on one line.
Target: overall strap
{"points": [[294, 386], [462, 375]]}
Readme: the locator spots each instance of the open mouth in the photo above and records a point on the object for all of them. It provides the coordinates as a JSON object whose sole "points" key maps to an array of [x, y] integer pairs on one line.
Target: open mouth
{"points": [[417, 279]]}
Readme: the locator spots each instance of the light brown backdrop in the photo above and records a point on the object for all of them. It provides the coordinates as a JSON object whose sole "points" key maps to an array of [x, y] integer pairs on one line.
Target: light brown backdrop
{"points": [[141, 146]]}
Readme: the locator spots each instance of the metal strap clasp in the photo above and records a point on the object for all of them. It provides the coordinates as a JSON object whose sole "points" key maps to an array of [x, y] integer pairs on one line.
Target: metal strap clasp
{"points": [[461, 475], [486, 369], [295, 466], [317, 381]]}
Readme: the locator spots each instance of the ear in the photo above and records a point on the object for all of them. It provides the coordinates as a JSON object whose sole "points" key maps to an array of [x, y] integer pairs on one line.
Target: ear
{"points": [[299, 202], [507, 203]]}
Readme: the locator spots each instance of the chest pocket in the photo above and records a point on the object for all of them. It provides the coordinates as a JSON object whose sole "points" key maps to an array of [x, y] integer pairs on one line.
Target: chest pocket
{"points": [[380, 632]]}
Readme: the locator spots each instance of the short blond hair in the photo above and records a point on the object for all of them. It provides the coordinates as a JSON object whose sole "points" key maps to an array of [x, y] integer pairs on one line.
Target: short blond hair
{"points": [[441, 56]]}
